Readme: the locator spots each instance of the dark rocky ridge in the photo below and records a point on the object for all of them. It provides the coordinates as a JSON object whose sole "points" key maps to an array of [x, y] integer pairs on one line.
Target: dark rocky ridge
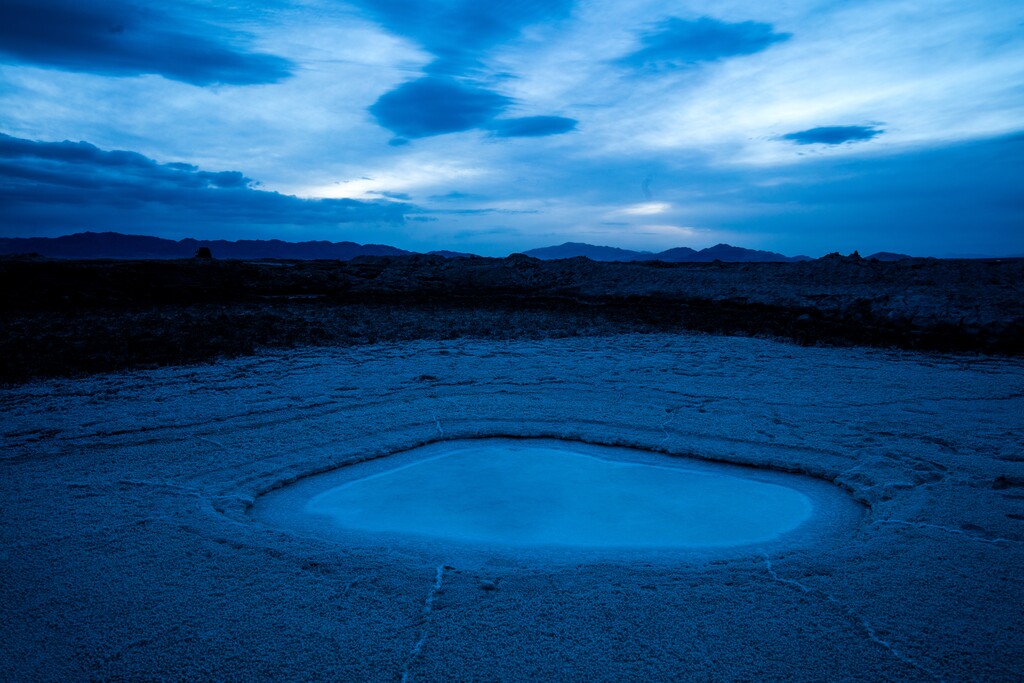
{"points": [[62, 317], [719, 252], [113, 245]]}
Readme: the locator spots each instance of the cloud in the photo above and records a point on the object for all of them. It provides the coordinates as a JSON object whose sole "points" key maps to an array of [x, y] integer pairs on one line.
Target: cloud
{"points": [[531, 126], [678, 43], [645, 209], [705, 139], [434, 106], [459, 32], [488, 211], [117, 38], [46, 186], [401, 196], [451, 196], [833, 135]]}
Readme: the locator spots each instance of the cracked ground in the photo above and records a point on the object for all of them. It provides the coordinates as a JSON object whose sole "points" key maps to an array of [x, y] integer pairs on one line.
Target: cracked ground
{"points": [[128, 552]]}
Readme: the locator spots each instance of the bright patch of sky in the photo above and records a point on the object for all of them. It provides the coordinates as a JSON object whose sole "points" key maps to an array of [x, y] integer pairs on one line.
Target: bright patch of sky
{"points": [[799, 126]]}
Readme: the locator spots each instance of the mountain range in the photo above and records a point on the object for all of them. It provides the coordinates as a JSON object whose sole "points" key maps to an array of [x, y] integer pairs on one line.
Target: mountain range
{"points": [[113, 245], [719, 252]]}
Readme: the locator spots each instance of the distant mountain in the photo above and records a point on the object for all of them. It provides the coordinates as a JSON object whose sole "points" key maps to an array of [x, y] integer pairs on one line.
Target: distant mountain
{"points": [[113, 245], [117, 246], [594, 253], [719, 252], [678, 255], [451, 254], [888, 256], [725, 252]]}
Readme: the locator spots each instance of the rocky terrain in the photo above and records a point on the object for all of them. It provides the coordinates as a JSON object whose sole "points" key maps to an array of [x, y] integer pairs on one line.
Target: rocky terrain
{"points": [[67, 317]]}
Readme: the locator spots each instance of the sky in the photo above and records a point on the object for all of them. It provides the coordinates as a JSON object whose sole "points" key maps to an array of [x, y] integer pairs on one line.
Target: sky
{"points": [[797, 126]]}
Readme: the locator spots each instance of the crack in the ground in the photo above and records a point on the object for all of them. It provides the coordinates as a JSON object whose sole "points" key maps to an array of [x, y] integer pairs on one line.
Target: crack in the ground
{"points": [[864, 624], [428, 607], [140, 643], [218, 444], [664, 427]]}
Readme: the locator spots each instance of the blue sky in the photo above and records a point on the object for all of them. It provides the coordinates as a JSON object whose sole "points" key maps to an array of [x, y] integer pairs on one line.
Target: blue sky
{"points": [[797, 126]]}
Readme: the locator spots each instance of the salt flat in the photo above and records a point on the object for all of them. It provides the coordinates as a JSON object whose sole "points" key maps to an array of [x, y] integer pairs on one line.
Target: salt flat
{"points": [[129, 550]]}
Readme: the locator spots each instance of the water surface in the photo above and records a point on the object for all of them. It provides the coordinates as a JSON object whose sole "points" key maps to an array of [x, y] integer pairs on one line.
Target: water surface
{"points": [[524, 493]]}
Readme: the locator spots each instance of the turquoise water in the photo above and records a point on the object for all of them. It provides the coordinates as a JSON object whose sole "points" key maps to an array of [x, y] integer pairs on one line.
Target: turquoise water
{"points": [[514, 493]]}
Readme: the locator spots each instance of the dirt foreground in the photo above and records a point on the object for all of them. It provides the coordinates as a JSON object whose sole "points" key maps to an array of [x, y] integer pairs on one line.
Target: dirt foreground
{"points": [[129, 551]]}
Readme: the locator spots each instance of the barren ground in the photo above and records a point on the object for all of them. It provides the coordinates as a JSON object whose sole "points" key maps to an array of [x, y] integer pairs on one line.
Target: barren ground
{"points": [[61, 318], [128, 552]]}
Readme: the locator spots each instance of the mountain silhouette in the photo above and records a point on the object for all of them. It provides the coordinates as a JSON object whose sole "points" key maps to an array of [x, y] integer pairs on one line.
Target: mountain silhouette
{"points": [[114, 245], [719, 252]]}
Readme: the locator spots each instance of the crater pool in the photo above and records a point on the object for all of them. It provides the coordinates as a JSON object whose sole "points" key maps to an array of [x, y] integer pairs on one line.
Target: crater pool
{"points": [[544, 493]]}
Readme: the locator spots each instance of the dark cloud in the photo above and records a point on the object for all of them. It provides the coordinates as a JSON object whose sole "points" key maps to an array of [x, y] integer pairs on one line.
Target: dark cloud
{"points": [[531, 126], [452, 196], [477, 212], [118, 38], [402, 196], [65, 185], [477, 233], [833, 135], [459, 32], [435, 105], [678, 43]]}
